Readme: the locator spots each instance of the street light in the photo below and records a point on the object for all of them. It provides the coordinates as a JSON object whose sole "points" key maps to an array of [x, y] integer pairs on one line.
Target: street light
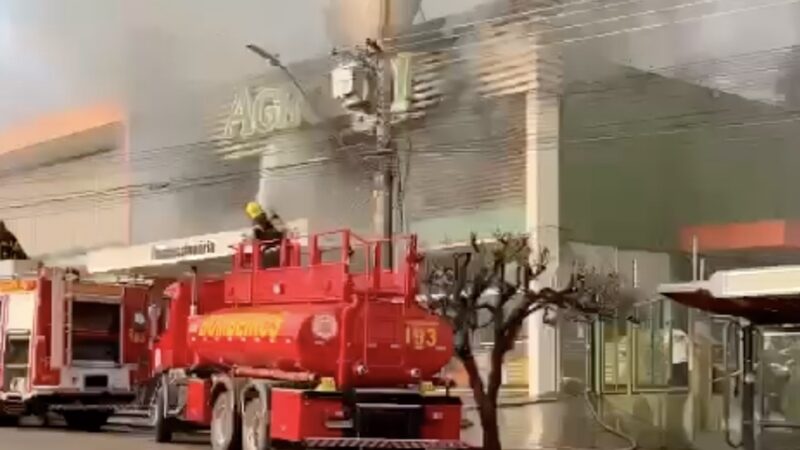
{"points": [[274, 61]]}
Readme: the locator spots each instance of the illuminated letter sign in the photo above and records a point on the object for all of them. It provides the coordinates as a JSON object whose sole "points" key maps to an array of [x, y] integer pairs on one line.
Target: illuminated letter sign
{"points": [[262, 111]]}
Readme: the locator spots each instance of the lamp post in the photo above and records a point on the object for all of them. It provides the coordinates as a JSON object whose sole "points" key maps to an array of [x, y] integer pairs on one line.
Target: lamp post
{"points": [[275, 61]]}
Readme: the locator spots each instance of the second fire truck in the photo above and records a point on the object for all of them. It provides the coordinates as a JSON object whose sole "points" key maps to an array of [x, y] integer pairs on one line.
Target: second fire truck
{"points": [[78, 349]]}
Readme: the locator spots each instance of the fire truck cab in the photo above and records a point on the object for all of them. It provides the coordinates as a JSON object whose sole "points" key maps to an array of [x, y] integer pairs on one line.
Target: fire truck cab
{"points": [[70, 347]]}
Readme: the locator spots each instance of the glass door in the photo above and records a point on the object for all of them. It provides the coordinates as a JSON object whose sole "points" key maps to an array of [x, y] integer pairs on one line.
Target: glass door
{"points": [[16, 358], [779, 388]]}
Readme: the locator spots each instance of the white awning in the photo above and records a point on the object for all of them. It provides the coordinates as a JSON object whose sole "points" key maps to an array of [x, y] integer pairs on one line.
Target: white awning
{"points": [[210, 253], [757, 282]]}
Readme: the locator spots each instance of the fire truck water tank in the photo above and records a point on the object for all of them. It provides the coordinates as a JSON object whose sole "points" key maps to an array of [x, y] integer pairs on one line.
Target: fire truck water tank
{"points": [[396, 345]]}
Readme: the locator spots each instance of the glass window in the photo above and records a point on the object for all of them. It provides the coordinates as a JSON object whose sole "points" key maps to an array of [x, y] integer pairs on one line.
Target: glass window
{"points": [[652, 346], [679, 333], [616, 367], [17, 350], [96, 317], [662, 345], [573, 346], [718, 370]]}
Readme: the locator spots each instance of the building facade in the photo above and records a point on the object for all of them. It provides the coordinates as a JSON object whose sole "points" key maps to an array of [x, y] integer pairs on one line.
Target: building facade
{"points": [[52, 171], [501, 132]]}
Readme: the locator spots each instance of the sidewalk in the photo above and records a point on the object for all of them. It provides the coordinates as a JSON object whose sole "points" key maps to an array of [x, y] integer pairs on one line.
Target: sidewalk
{"points": [[548, 424], [566, 423]]}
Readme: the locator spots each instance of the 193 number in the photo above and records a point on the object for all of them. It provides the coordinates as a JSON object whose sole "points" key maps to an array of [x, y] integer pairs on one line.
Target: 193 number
{"points": [[422, 337]]}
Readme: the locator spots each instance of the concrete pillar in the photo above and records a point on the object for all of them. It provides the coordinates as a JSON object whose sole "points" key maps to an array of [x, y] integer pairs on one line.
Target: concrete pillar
{"points": [[542, 219], [543, 80]]}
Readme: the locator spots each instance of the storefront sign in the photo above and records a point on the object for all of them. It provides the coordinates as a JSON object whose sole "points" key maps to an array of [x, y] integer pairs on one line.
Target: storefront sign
{"points": [[161, 252], [172, 256], [262, 111]]}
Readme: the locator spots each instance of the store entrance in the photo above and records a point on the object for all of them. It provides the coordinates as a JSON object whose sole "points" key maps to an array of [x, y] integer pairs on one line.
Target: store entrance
{"points": [[759, 311]]}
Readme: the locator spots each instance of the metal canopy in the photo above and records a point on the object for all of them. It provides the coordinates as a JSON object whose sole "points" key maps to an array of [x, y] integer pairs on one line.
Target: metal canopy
{"points": [[764, 296]]}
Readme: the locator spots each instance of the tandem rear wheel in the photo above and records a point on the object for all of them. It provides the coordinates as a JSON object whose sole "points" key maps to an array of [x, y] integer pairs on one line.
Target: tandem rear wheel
{"points": [[226, 422], [254, 424], [162, 424]]}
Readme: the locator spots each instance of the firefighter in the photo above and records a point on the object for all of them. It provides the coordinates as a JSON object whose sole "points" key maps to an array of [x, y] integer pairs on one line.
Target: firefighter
{"points": [[10, 247], [269, 230]]}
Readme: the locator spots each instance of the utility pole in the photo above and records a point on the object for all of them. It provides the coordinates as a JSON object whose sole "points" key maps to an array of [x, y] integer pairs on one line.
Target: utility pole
{"points": [[385, 151], [383, 134], [372, 105]]}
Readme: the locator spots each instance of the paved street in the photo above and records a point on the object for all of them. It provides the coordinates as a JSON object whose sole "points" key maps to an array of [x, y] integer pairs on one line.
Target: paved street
{"points": [[565, 424], [27, 438]]}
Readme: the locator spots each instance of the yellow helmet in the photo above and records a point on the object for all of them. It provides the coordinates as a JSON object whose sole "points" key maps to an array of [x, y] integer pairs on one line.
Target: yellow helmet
{"points": [[253, 210]]}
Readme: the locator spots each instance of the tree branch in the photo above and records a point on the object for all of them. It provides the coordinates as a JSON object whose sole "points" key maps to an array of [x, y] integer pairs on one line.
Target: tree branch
{"points": [[487, 307], [533, 302], [473, 241], [496, 373], [475, 380]]}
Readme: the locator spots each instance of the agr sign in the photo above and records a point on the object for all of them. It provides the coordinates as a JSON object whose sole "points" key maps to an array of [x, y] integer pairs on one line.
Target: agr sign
{"points": [[263, 110]]}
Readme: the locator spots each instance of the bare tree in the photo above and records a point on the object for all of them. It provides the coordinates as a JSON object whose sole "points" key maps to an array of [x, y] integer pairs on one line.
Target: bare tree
{"points": [[478, 293]]}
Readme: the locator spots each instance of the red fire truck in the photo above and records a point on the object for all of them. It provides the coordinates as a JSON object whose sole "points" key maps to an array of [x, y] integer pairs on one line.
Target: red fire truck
{"points": [[70, 347], [314, 353]]}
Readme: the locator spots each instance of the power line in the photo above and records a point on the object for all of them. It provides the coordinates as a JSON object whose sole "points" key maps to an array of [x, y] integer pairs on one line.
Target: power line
{"points": [[161, 162], [477, 146], [791, 2], [211, 142], [444, 150], [607, 34], [533, 15], [607, 6]]}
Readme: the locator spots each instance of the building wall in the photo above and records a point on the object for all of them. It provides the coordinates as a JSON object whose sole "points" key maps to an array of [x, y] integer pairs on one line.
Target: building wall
{"points": [[62, 213], [643, 156], [461, 166], [467, 170], [184, 117], [64, 179]]}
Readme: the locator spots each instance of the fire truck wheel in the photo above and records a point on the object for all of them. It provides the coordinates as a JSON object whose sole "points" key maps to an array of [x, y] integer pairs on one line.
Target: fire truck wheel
{"points": [[161, 423], [86, 420], [254, 425], [226, 430]]}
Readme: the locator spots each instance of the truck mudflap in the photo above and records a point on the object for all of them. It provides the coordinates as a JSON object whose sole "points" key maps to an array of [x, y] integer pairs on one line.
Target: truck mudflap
{"points": [[346, 442]]}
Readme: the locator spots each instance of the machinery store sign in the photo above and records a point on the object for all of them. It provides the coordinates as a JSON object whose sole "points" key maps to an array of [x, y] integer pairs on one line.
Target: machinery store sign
{"points": [[260, 110], [162, 252]]}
